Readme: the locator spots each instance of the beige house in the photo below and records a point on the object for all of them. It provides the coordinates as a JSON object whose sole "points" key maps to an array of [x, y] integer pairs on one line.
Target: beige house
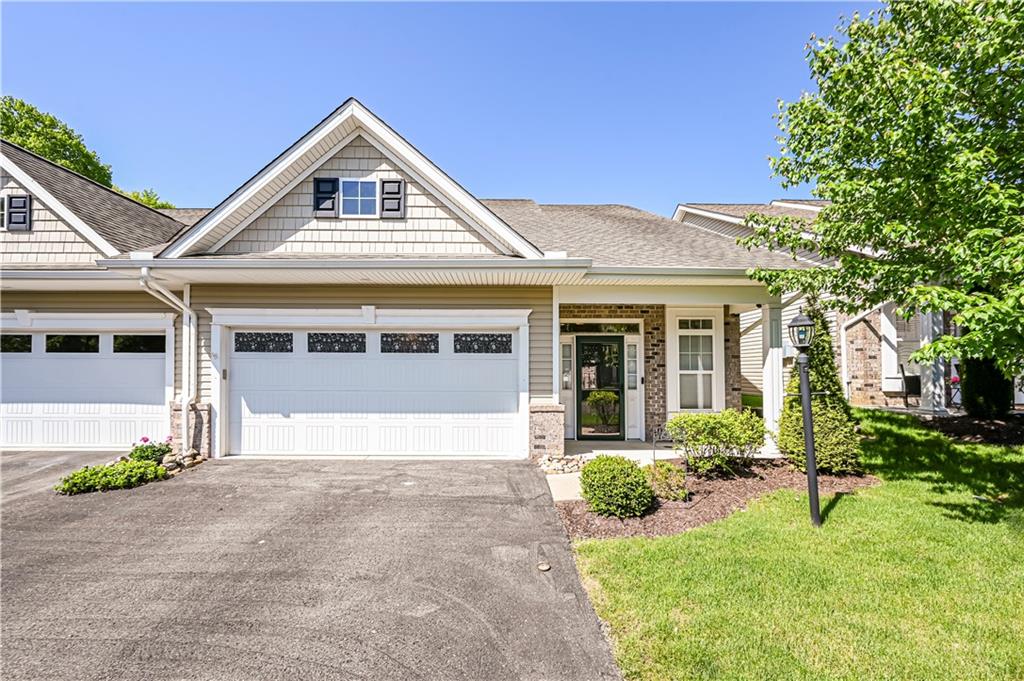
{"points": [[873, 348], [352, 299]]}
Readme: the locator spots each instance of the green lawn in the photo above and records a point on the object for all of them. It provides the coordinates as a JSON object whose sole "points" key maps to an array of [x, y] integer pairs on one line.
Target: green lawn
{"points": [[912, 579]]}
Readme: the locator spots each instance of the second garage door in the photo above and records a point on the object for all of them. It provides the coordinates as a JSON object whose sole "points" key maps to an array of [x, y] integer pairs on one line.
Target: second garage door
{"points": [[387, 393]]}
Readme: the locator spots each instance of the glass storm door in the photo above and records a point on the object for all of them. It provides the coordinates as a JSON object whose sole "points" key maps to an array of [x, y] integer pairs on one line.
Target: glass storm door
{"points": [[599, 391]]}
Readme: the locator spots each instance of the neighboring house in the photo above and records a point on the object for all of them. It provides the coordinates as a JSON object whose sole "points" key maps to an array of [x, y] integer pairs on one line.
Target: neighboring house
{"points": [[352, 298], [873, 348]]}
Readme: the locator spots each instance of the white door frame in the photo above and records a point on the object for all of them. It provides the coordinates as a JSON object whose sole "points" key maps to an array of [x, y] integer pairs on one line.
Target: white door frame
{"points": [[40, 323], [364, 317], [641, 382]]}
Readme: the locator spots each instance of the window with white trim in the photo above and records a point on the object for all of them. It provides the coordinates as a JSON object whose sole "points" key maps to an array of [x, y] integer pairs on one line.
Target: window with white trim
{"points": [[696, 363], [358, 198]]}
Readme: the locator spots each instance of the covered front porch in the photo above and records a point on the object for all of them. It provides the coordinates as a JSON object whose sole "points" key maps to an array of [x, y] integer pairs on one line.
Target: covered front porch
{"points": [[626, 359]]}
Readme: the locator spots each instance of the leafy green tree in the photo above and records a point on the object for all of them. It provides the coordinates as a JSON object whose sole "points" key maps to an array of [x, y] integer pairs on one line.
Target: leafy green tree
{"points": [[53, 139], [48, 136], [148, 197], [914, 134], [836, 443]]}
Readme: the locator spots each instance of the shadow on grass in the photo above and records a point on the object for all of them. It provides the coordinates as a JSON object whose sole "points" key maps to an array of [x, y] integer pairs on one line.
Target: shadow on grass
{"points": [[832, 503], [898, 447]]}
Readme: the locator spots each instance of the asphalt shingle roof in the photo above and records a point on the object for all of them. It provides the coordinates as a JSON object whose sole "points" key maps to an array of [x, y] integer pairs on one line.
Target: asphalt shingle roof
{"points": [[126, 224], [623, 236], [186, 216]]}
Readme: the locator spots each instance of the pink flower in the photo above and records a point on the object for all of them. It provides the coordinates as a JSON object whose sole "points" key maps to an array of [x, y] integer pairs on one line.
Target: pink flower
{"points": [[954, 379], [169, 438], [145, 439]]}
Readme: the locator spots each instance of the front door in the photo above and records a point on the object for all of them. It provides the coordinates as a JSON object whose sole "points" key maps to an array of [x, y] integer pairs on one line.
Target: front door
{"points": [[599, 394]]}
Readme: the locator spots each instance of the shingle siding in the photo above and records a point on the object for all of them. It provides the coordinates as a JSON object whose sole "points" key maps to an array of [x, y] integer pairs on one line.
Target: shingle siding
{"points": [[50, 241], [428, 228]]}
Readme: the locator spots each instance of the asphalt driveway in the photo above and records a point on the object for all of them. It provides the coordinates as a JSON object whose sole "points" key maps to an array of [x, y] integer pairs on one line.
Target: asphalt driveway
{"points": [[293, 570]]}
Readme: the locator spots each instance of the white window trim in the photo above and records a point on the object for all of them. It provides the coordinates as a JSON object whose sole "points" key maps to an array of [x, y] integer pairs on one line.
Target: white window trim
{"points": [[341, 197], [224, 320], [672, 317]]}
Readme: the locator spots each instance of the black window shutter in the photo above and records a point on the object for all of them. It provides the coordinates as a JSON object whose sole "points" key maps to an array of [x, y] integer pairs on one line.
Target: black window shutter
{"points": [[19, 213], [392, 198], [325, 197]]}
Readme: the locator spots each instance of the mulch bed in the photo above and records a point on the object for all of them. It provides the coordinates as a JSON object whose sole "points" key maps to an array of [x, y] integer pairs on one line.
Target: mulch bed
{"points": [[1008, 431], [710, 499]]}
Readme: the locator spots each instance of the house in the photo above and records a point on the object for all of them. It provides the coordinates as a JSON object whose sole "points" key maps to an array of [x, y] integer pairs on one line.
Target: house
{"points": [[351, 298], [873, 347]]}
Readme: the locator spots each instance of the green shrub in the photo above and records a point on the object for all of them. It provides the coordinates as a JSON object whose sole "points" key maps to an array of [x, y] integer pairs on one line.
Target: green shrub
{"points": [[986, 392], [667, 480], [836, 442], [717, 442], [605, 403], [615, 486], [147, 450], [121, 475]]}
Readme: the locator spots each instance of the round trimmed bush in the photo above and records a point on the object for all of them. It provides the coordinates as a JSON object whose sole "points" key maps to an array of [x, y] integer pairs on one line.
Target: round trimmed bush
{"points": [[615, 486]]}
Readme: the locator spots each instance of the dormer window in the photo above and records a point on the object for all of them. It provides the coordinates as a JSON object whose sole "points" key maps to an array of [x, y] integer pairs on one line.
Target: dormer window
{"points": [[358, 198], [18, 214]]}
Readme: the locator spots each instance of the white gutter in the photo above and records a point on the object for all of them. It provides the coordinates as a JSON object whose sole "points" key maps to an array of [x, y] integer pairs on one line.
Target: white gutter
{"points": [[842, 345], [188, 336]]}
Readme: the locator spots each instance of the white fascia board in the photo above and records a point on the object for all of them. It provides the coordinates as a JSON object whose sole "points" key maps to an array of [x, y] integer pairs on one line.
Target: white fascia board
{"points": [[281, 193], [682, 209], [246, 191], [65, 275], [34, 188], [28, 320], [304, 263], [435, 178], [797, 206], [432, 176]]}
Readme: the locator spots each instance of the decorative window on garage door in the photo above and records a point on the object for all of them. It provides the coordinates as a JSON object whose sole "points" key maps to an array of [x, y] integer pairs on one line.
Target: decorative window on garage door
{"points": [[420, 343], [336, 342], [484, 343], [254, 341]]}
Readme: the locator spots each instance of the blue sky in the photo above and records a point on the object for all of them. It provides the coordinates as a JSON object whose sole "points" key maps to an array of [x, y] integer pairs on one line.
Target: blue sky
{"points": [[646, 105]]}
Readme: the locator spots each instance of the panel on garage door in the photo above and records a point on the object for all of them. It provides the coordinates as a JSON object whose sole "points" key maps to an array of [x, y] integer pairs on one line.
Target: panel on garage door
{"points": [[375, 393], [82, 389]]}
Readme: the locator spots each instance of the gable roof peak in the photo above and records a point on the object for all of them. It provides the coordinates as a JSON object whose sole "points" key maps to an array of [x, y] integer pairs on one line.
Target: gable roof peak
{"points": [[301, 159]]}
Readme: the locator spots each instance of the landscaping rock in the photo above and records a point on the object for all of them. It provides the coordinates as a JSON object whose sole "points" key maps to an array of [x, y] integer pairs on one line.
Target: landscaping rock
{"points": [[169, 458], [553, 465]]}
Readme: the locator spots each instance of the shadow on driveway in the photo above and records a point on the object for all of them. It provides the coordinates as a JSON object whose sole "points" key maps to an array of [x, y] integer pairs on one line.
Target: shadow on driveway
{"points": [[294, 570]]}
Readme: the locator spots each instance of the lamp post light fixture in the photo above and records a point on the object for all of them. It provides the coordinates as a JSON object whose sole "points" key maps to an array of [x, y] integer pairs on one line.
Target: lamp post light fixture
{"points": [[801, 333]]}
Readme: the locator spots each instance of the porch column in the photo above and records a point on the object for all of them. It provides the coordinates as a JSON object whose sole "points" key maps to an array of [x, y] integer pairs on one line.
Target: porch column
{"points": [[933, 376], [772, 386]]}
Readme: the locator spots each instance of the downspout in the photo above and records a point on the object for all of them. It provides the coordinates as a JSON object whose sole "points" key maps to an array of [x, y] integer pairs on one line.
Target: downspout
{"points": [[842, 345], [188, 319]]}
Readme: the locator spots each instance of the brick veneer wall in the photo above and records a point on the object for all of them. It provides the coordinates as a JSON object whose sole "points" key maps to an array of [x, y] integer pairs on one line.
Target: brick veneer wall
{"points": [[653, 317], [733, 366], [864, 364]]}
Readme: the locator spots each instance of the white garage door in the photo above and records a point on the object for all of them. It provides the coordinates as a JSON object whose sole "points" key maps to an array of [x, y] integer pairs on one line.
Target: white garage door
{"points": [[328, 392], [83, 390]]}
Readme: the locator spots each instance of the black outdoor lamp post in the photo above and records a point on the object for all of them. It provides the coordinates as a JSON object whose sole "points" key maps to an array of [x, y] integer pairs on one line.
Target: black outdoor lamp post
{"points": [[801, 333]]}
